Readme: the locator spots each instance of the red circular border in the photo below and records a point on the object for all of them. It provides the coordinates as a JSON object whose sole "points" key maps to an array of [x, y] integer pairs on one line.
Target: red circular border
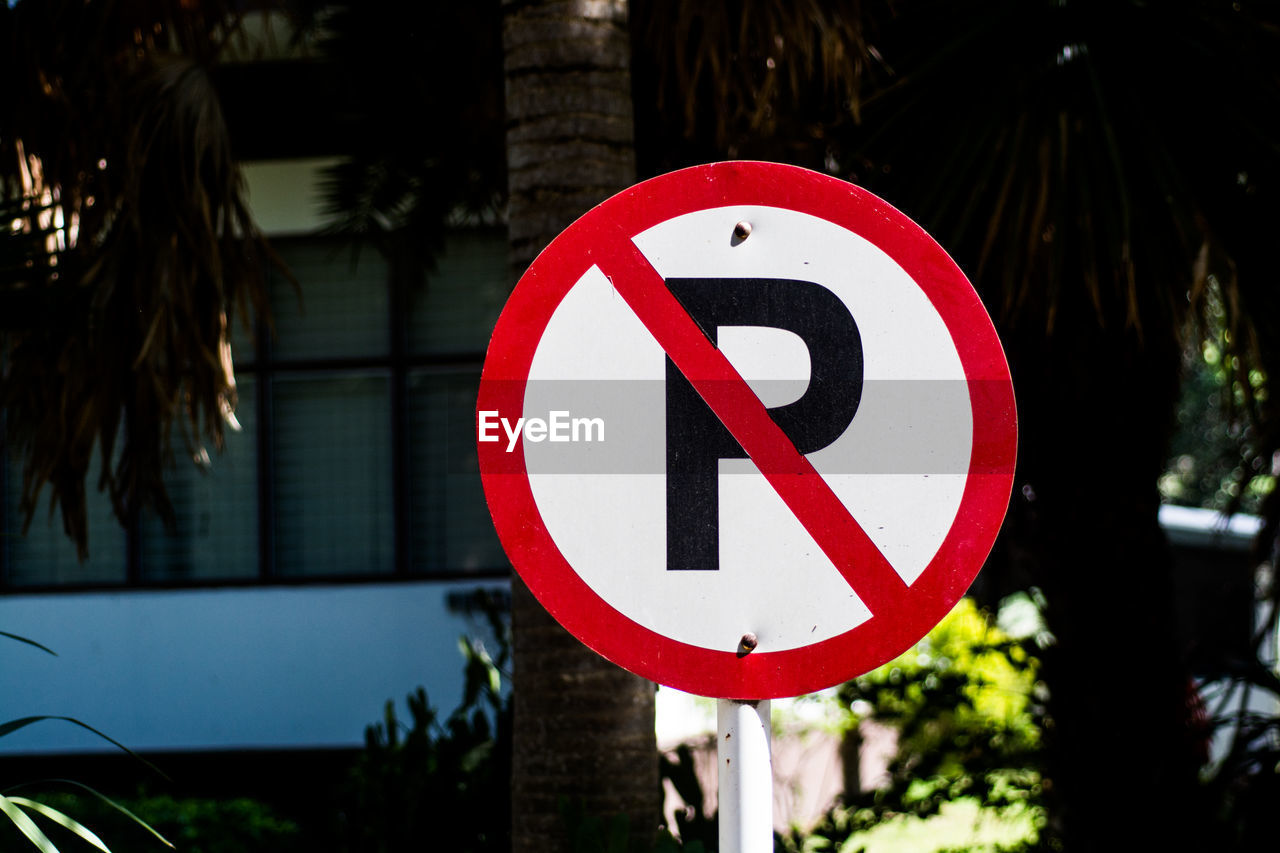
{"points": [[760, 675]]}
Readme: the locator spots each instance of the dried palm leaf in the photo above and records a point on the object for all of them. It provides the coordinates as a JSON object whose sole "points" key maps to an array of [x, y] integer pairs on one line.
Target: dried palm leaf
{"points": [[126, 248]]}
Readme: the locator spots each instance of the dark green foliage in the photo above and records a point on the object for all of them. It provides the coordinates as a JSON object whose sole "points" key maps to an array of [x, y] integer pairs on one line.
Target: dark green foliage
{"points": [[422, 102], [669, 844], [1244, 783], [21, 811], [967, 708], [127, 247], [1213, 459], [1107, 173], [697, 829], [192, 825], [593, 834], [1247, 785], [435, 783]]}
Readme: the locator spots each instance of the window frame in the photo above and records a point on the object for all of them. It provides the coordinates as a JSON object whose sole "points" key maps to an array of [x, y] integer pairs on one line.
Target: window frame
{"points": [[265, 368]]}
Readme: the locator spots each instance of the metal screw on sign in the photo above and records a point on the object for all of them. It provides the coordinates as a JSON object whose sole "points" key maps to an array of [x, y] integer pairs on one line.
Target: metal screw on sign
{"points": [[745, 778]]}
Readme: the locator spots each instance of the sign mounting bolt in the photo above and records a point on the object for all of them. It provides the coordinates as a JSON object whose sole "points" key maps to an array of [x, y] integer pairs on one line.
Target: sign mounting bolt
{"points": [[747, 643], [742, 230]]}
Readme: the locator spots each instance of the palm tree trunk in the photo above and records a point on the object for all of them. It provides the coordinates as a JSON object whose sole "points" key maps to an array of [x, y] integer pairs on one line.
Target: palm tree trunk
{"points": [[583, 728]]}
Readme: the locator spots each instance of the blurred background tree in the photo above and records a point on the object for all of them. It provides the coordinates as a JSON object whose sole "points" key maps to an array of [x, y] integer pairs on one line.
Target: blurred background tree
{"points": [[1098, 170], [1215, 460], [127, 250], [965, 707]]}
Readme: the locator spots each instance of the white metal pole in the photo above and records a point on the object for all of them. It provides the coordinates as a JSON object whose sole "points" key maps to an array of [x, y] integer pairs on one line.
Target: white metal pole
{"points": [[746, 776]]}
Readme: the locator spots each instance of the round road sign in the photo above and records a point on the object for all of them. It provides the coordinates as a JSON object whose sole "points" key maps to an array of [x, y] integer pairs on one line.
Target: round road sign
{"points": [[746, 430]]}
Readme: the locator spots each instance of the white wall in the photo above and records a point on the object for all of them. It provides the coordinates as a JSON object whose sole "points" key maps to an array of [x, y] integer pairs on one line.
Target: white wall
{"points": [[226, 668]]}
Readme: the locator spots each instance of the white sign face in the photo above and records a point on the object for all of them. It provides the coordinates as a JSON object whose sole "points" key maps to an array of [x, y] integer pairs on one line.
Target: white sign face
{"points": [[899, 467], [690, 436]]}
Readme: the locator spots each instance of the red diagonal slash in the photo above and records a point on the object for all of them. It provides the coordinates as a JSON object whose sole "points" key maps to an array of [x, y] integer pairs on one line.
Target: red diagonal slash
{"points": [[796, 481]]}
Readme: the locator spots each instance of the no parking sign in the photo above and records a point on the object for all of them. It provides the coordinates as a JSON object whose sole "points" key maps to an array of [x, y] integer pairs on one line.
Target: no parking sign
{"points": [[746, 430]]}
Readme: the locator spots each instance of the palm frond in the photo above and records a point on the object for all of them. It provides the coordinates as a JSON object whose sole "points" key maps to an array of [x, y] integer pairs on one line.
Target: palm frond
{"points": [[756, 59], [126, 248], [414, 171], [61, 819], [29, 642], [26, 825]]}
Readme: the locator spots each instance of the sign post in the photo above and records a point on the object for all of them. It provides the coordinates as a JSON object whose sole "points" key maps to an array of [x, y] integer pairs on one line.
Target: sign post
{"points": [[746, 430], [745, 776]]}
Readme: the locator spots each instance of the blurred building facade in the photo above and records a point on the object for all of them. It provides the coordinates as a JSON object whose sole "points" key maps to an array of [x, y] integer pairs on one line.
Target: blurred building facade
{"points": [[323, 563]]}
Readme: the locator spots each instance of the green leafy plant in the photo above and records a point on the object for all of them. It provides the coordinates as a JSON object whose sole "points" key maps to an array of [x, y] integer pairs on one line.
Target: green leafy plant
{"points": [[593, 834], [13, 808], [697, 830], [195, 824], [22, 811], [966, 706], [1213, 456], [89, 804], [442, 779]]}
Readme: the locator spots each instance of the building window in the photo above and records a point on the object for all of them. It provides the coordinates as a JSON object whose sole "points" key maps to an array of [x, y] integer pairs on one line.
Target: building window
{"points": [[356, 454]]}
